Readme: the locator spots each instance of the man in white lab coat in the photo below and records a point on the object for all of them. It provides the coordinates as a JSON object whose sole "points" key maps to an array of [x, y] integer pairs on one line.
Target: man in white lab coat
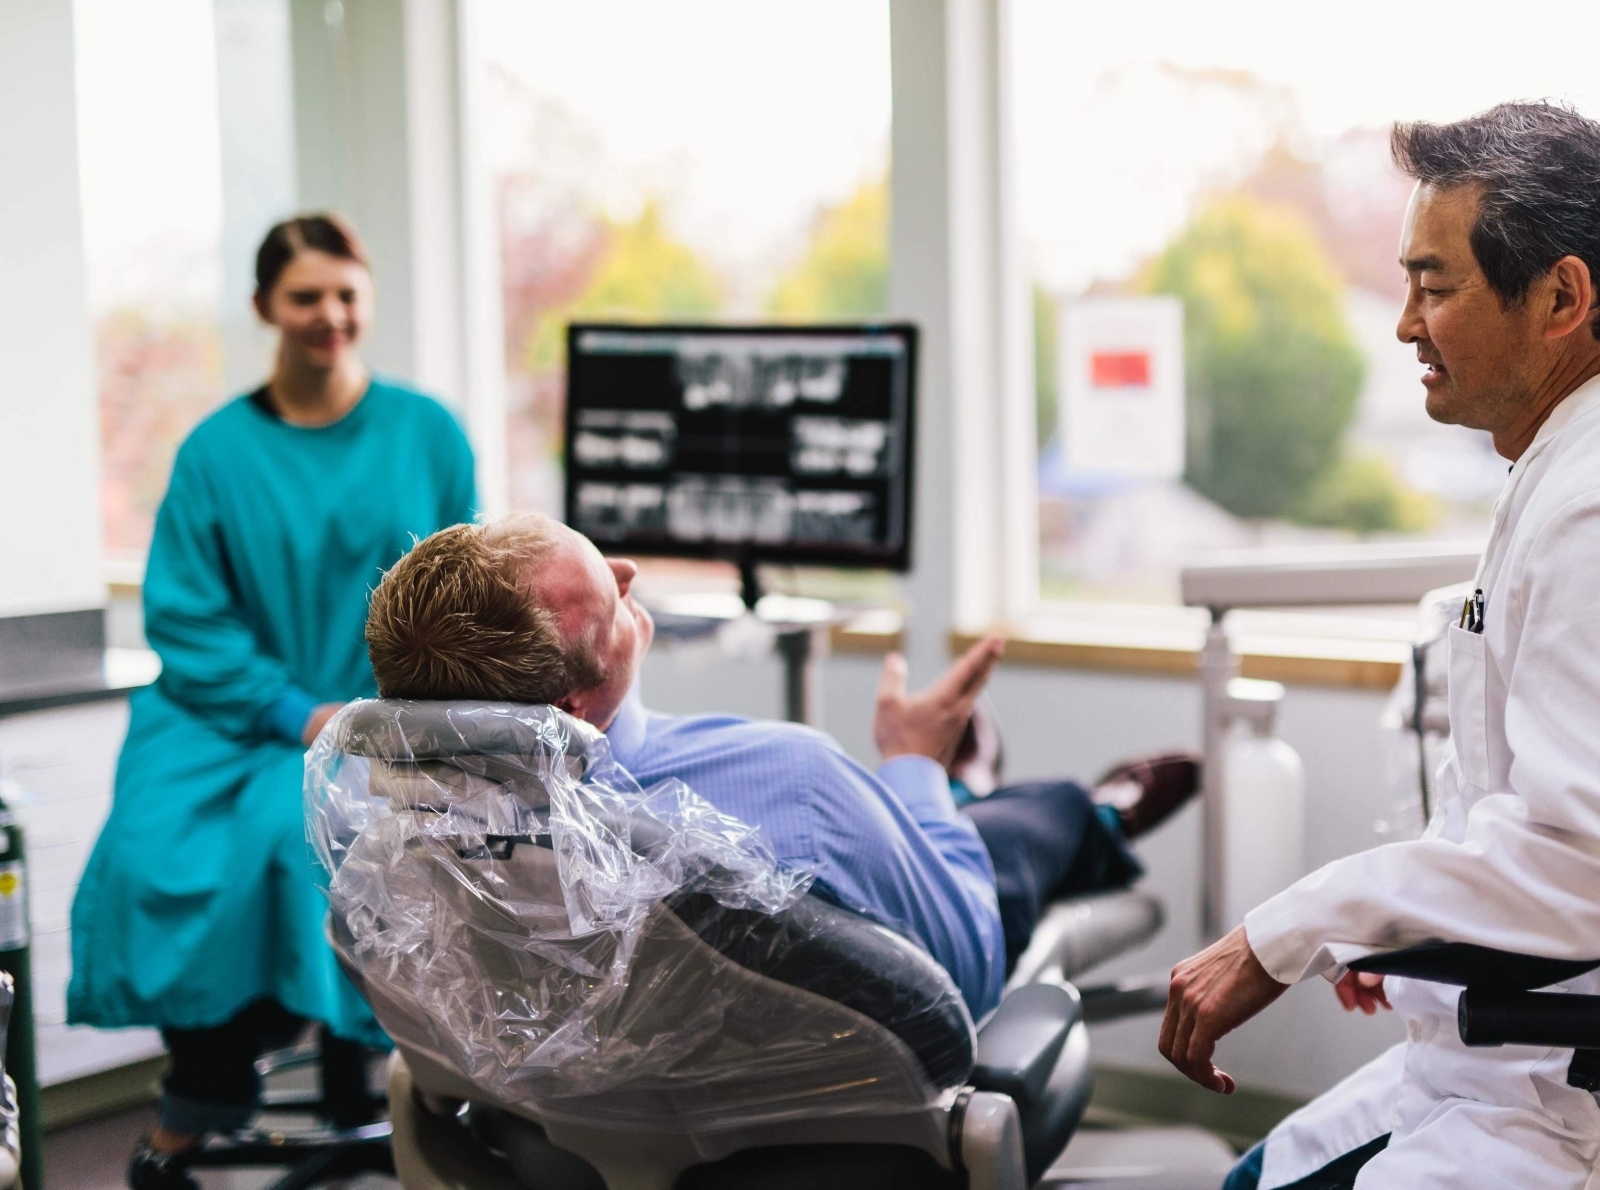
{"points": [[1501, 250]]}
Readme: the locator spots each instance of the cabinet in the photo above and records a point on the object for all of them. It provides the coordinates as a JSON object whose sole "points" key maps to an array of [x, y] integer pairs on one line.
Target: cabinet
{"points": [[57, 768]]}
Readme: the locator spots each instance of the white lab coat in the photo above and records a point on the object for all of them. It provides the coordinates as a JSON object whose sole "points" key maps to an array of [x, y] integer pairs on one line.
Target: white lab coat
{"points": [[1510, 860]]}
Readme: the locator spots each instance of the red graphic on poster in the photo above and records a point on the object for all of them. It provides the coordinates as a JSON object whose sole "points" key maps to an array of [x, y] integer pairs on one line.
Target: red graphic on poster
{"points": [[1119, 369]]}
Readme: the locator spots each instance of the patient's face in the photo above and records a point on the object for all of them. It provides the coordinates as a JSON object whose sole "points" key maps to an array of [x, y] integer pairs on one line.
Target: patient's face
{"points": [[591, 598]]}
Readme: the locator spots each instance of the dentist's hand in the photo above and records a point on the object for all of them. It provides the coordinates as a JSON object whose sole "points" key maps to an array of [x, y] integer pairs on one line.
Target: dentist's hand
{"points": [[1212, 994], [930, 724], [1363, 990]]}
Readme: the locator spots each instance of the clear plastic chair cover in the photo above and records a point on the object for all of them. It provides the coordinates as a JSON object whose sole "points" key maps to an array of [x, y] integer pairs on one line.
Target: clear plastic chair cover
{"points": [[561, 934], [10, 1112]]}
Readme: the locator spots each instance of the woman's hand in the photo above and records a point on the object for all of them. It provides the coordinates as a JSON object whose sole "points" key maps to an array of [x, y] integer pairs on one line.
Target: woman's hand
{"points": [[1363, 990], [317, 720]]}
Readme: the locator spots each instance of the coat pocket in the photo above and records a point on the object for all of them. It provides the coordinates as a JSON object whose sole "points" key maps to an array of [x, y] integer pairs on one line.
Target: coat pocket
{"points": [[1469, 672]]}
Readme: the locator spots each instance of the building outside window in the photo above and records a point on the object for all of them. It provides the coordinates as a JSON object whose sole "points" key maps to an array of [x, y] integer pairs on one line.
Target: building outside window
{"points": [[1219, 156]]}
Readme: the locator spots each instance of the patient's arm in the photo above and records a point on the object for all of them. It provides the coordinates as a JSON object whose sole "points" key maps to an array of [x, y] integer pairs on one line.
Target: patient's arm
{"points": [[931, 723]]}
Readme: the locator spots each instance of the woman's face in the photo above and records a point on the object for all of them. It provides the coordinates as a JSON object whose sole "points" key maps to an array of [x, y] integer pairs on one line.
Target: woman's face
{"points": [[321, 304]]}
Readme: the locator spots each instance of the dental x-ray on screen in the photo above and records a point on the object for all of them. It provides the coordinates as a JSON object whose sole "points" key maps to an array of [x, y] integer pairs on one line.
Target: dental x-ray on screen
{"points": [[780, 444]]}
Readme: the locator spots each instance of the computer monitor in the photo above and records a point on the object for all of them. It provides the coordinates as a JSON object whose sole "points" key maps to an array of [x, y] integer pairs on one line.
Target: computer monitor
{"points": [[747, 443]]}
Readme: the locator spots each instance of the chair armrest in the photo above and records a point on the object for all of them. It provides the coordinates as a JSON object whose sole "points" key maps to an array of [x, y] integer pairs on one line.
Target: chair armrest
{"points": [[1466, 965], [1078, 933], [1557, 1019], [1135, 995], [1019, 1044]]}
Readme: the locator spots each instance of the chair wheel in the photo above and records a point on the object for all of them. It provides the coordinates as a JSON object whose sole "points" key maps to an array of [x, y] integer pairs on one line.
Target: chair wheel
{"points": [[150, 1170]]}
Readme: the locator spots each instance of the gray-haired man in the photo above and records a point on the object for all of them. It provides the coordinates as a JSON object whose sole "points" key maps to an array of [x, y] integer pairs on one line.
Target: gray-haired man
{"points": [[1501, 250]]}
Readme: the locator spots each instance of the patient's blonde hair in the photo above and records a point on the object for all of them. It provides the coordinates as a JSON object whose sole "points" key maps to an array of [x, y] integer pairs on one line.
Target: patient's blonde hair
{"points": [[455, 619]]}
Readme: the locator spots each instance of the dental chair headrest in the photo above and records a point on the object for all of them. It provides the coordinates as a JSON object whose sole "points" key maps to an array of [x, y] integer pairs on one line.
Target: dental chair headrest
{"points": [[453, 730], [424, 746]]}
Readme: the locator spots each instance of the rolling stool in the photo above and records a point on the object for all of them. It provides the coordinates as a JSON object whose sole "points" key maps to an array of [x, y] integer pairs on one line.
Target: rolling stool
{"points": [[345, 1130]]}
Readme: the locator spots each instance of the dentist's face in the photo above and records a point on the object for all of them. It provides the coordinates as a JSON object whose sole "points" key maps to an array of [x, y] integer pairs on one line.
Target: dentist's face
{"points": [[1478, 352]]}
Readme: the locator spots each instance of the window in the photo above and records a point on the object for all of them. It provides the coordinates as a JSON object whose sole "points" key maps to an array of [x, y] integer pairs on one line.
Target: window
{"points": [[152, 218], [1234, 156], [652, 162]]}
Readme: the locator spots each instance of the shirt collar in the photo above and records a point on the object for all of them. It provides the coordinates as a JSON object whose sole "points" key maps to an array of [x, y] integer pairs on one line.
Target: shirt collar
{"points": [[627, 730], [1568, 410]]}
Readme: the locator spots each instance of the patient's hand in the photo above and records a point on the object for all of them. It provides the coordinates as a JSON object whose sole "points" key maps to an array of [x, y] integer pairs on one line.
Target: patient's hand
{"points": [[1212, 994], [1363, 990], [930, 724]]}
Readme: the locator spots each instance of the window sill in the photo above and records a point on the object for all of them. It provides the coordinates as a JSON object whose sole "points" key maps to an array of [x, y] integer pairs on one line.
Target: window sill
{"points": [[1348, 662], [1113, 645], [1164, 645], [873, 632]]}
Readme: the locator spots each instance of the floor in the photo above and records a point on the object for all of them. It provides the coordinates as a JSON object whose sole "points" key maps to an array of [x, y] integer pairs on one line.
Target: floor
{"points": [[94, 1156], [1175, 1158]]}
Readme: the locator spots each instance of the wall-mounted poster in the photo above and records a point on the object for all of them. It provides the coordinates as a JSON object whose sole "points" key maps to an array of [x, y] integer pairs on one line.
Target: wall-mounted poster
{"points": [[1121, 388]]}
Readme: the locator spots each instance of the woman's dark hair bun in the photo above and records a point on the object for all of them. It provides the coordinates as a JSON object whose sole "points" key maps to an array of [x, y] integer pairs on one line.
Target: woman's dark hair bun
{"points": [[321, 231]]}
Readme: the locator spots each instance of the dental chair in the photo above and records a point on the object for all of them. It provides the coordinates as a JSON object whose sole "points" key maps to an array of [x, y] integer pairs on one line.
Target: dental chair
{"points": [[595, 987]]}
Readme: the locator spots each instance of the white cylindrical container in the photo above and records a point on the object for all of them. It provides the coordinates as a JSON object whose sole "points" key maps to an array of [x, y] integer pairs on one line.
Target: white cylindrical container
{"points": [[1265, 798]]}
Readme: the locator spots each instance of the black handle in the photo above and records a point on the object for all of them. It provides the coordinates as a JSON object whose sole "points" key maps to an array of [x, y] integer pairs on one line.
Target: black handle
{"points": [[1467, 965], [1486, 1017]]}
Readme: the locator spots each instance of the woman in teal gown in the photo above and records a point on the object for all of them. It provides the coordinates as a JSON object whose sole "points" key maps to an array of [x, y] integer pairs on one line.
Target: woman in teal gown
{"points": [[197, 912]]}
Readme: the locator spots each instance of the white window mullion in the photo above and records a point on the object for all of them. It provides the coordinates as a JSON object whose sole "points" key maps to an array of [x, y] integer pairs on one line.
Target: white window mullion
{"points": [[955, 269]]}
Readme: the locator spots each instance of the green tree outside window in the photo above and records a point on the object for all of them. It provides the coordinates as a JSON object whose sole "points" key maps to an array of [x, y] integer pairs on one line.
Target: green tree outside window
{"points": [[844, 273], [1272, 372]]}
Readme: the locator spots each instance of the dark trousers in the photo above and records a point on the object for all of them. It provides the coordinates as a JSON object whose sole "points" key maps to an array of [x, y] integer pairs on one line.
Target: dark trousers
{"points": [[212, 1084], [1047, 840], [1338, 1174]]}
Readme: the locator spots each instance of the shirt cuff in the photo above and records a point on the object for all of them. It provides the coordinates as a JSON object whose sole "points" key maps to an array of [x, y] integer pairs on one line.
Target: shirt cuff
{"points": [[1286, 950], [287, 717], [922, 784]]}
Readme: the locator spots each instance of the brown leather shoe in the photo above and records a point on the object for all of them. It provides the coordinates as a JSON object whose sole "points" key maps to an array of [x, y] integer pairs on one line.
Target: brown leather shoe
{"points": [[980, 756], [1147, 792]]}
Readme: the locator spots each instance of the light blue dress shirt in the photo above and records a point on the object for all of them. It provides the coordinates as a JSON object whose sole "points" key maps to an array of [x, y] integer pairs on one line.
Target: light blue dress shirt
{"points": [[890, 845]]}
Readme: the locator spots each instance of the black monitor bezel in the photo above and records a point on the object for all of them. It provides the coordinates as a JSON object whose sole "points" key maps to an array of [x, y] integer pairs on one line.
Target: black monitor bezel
{"points": [[898, 561]]}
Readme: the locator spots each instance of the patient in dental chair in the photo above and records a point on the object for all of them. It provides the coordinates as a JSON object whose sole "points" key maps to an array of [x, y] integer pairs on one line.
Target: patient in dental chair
{"points": [[524, 609]]}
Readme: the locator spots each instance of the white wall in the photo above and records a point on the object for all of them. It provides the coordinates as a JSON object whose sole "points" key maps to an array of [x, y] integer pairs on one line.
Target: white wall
{"points": [[49, 429], [1072, 723], [385, 100]]}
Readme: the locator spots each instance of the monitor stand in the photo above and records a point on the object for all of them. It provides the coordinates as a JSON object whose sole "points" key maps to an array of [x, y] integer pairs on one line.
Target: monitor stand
{"points": [[800, 648], [749, 584]]}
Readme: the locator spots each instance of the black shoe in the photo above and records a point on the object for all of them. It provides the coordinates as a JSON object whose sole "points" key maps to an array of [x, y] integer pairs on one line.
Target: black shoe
{"points": [[150, 1170]]}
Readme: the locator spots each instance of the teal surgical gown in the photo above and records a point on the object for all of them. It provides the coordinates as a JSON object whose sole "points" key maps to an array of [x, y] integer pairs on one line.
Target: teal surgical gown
{"points": [[198, 898]]}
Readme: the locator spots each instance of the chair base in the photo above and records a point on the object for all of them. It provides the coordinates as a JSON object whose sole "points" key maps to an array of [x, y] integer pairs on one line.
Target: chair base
{"points": [[308, 1159], [347, 1140], [442, 1150]]}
